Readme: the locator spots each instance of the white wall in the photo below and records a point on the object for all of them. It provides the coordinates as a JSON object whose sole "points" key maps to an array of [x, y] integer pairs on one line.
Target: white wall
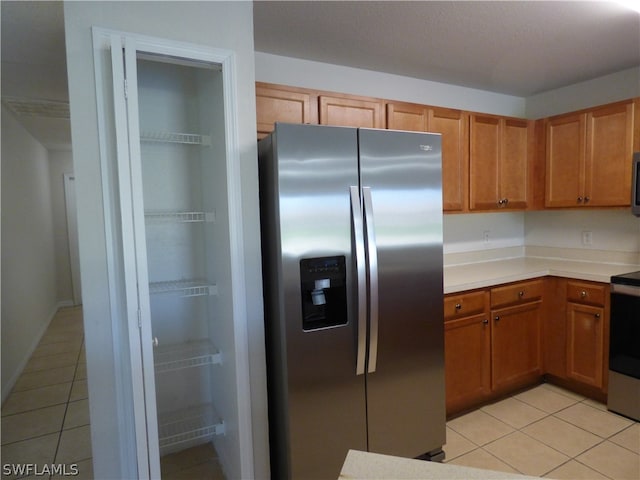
{"points": [[61, 162], [610, 88], [29, 295], [483, 231], [616, 232], [336, 78], [227, 25]]}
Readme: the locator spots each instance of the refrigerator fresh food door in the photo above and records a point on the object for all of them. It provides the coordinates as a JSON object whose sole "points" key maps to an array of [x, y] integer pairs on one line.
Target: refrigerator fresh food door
{"points": [[402, 191], [316, 398]]}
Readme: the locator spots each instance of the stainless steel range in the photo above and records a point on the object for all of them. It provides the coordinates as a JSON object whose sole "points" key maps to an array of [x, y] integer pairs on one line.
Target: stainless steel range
{"points": [[624, 347]]}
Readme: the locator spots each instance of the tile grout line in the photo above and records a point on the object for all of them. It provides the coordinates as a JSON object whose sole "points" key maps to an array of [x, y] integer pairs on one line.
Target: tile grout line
{"points": [[66, 409], [547, 415]]}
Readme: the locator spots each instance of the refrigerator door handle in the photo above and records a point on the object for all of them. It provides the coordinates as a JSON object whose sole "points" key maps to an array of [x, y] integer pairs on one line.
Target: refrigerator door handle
{"points": [[358, 233], [372, 254]]}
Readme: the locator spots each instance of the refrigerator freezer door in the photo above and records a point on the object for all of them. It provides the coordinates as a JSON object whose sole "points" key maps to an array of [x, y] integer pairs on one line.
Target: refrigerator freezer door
{"points": [[316, 401], [405, 394]]}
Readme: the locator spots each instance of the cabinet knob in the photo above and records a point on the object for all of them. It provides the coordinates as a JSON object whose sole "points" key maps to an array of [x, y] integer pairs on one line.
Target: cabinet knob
{"points": [[521, 293], [583, 294], [500, 202], [485, 322], [580, 199], [458, 306], [497, 318], [586, 199], [597, 315]]}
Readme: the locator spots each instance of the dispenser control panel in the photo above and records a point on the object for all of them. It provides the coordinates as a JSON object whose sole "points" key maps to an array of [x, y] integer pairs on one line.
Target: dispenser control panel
{"points": [[324, 293]]}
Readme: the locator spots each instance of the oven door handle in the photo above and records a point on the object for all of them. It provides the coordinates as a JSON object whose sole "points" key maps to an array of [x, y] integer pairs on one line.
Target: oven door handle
{"points": [[625, 289]]}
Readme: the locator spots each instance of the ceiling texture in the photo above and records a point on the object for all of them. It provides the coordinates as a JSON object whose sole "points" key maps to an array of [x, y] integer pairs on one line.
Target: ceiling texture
{"points": [[517, 48]]}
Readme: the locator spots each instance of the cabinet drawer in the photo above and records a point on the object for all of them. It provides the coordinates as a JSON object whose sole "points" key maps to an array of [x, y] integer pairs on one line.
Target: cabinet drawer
{"points": [[516, 293], [464, 304], [588, 293]]}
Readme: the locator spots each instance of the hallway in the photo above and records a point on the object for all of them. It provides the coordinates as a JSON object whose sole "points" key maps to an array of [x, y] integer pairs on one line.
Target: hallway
{"points": [[45, 419]]}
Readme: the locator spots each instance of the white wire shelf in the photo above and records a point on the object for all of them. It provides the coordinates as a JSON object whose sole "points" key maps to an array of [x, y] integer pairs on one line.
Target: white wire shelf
{"points": [[195, 423], [185, 355], [179, 217], [184, 288], [175, 137]]}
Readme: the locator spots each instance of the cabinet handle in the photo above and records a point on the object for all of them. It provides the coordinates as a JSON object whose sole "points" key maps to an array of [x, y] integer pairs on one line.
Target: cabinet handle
{"points": [[497, 318], [583, 294], [458, 306], [485, 322], [155, 342]]}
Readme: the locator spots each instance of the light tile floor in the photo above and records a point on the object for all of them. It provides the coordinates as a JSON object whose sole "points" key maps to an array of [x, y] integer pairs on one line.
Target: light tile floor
{"points": [[547, 432], [45, 419]]}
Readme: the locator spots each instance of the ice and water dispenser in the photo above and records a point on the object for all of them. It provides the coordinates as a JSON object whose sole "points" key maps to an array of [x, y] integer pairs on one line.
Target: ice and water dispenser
{"points": [[324, 292]]}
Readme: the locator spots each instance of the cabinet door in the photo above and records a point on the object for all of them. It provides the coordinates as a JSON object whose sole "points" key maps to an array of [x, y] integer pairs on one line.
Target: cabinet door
{"points": [[351, 112], [515, 345], [484, 157], [608, 155], [514, 163], [565, 161], [276, 105], [452, 124], [585, 344], [466, 361], [407, 116]]}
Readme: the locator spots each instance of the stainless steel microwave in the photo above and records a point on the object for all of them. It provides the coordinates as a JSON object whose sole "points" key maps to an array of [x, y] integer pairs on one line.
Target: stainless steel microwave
{"points": [[635, 185]]}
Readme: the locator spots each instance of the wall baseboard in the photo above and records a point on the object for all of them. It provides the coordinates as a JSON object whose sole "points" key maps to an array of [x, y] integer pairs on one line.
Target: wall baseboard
{"points": [[8, 386]]}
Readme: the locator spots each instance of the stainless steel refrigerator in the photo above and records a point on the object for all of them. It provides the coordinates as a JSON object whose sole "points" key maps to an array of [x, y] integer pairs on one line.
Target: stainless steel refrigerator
{"points": [[352, 261]]}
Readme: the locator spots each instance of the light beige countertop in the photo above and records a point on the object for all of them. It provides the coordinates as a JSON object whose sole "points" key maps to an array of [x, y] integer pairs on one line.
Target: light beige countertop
{"points": [[458, 278], [372, 466]]}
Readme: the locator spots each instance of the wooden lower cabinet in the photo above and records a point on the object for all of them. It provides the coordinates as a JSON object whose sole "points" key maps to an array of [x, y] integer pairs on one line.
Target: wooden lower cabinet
{"points": [[585, 344], [504, 338], [516, 346], [491, 351], [467, 361]]}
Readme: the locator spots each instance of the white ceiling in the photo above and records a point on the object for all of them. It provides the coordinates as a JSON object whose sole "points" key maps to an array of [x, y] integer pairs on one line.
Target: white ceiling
{"points": [[512, 47]]}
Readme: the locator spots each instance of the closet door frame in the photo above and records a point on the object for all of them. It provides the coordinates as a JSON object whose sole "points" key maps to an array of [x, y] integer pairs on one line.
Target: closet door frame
{"points": [[124, 225]]}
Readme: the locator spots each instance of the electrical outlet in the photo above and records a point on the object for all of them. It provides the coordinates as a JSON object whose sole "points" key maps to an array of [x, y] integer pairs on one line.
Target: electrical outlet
{"points": [[587, 237], [486, 236]]}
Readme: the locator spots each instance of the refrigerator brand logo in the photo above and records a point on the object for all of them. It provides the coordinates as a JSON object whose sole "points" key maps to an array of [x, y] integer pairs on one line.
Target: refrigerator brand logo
{"points": [[426, 148]]}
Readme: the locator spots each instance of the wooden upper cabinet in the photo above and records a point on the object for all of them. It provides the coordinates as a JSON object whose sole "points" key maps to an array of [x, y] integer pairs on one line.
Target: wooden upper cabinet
{"points": [[351, 111], [279, 105], [565, 160], [452, 124], [608, 155], [514, 167], [588, 157], [499, 162], [407, 116]]}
